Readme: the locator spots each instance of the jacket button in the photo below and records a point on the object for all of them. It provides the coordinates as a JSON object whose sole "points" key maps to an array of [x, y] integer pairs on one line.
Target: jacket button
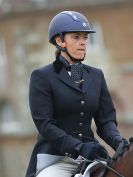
{"points": [[82, 102], [66, 153], [80, 124], [80, 134], [81, 113]]}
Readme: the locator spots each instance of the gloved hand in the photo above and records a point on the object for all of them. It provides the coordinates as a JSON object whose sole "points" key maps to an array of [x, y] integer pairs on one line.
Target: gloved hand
{"points": [[102, 153], [91, 150], [117, 141]]}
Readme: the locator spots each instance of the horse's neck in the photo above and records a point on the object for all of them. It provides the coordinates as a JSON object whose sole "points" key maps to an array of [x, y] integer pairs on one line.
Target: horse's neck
{"points": [[124, 164]]}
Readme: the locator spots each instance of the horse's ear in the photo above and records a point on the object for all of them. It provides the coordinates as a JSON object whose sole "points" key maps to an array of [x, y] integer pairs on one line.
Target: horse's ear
{"points": [[131, 140]]}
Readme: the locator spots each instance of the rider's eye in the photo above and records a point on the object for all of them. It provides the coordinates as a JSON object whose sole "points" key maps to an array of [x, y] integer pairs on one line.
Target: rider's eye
{"points": [[75, 37], [86, 37]]}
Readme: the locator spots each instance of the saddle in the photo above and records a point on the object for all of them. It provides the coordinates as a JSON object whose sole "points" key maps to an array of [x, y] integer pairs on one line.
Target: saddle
{"points": [[88, 169]]}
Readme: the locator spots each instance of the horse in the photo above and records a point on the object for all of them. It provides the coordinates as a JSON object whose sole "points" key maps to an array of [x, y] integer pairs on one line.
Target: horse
{"points": [[119, 165]]}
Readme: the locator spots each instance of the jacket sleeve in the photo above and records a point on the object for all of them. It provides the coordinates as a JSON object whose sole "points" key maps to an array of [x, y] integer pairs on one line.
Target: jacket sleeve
{"points": [[41, 106], [105, 117]]}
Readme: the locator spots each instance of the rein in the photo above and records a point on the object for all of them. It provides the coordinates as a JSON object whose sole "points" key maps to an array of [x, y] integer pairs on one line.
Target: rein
{"points": [[110, 161], [120, 151], [109, 168]]}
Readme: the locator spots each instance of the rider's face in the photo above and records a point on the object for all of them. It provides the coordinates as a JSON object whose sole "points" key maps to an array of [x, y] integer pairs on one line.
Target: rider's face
{"points": [[76, 44]]}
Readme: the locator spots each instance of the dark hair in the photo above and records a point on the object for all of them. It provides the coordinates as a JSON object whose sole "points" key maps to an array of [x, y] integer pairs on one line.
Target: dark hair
{"points": [[57, 53]]}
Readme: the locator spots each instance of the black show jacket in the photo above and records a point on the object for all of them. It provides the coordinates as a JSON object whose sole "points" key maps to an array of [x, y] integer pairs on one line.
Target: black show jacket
{"points": [[63, 113]]}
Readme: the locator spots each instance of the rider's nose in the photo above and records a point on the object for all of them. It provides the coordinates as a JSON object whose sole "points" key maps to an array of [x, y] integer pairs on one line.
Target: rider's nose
{"points": [[83, 41]]}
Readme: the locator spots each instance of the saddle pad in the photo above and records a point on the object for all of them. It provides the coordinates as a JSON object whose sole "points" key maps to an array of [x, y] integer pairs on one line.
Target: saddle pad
{"points": [[90, 168]]}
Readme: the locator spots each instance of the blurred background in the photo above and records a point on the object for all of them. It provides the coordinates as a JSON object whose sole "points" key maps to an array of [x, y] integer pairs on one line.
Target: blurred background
{"points": [[24, 46]]}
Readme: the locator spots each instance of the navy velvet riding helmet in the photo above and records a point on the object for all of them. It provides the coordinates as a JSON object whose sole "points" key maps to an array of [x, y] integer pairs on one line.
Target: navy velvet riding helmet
{"points": [[68, 21]]}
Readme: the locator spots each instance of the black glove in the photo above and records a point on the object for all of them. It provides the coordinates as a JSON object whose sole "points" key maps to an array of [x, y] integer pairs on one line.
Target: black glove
{"points": [[92, 150], [103, 153], [117, 141]]}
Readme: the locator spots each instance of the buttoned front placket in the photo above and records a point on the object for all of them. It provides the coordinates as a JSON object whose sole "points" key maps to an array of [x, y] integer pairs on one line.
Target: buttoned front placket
{"points": [[80, 124], [79, 132]]}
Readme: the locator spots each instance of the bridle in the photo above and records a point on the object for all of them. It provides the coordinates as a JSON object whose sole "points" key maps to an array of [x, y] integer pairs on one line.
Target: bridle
{"points": [[111, 161]]}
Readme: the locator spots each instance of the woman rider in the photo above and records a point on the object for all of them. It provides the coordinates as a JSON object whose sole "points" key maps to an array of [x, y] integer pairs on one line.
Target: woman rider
{"points": [[64, 97]]}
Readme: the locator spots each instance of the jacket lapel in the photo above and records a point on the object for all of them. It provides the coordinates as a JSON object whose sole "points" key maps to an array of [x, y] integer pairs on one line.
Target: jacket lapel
{"points": [[63, 74], [65, 77]]}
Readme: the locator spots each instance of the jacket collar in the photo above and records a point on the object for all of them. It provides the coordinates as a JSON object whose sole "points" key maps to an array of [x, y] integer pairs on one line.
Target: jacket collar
{"points": [[57, 65], [64, 76]]}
